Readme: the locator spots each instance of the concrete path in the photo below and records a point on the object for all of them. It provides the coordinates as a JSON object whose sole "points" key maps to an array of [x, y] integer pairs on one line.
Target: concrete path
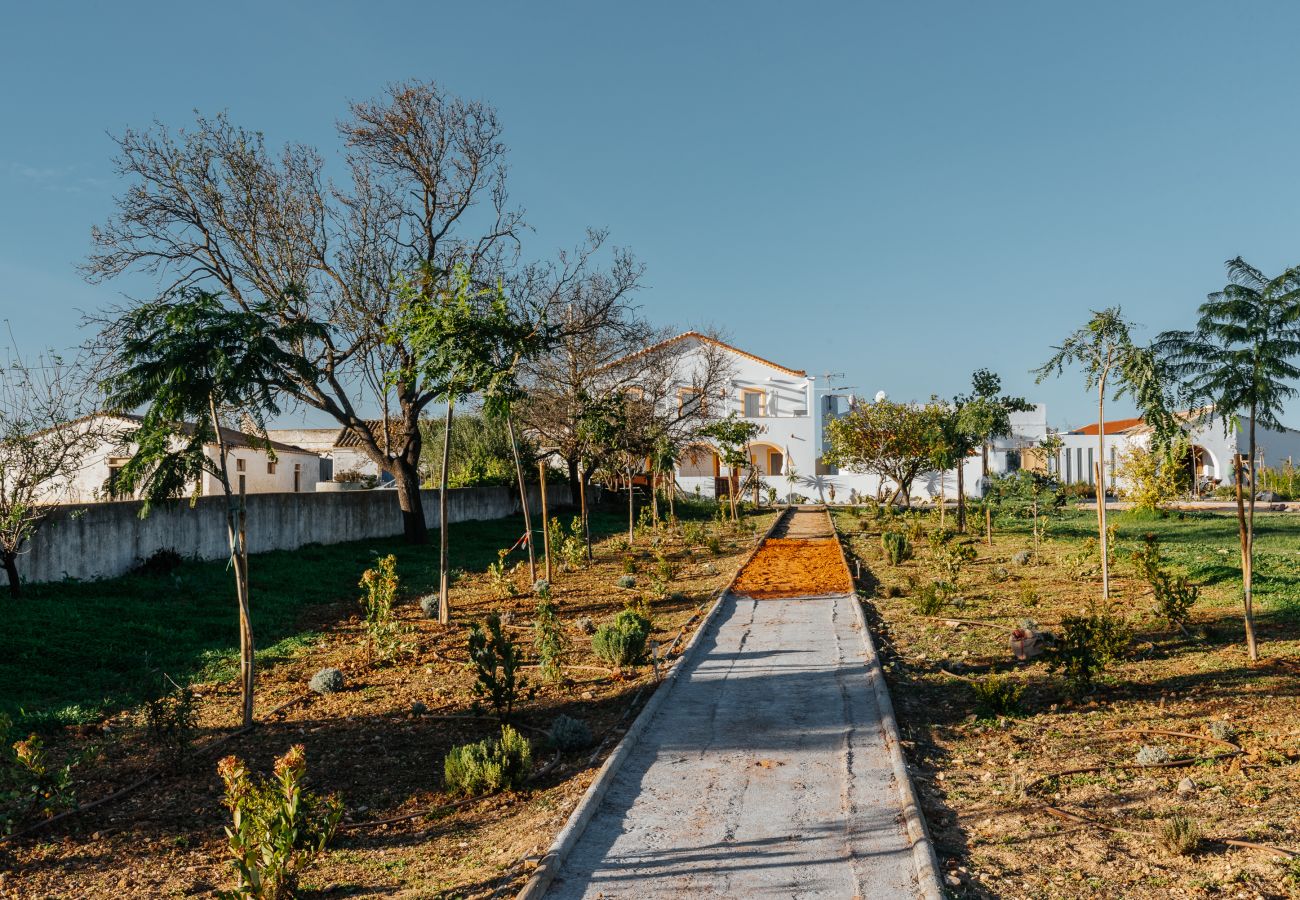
{"points": [[764, 774]]}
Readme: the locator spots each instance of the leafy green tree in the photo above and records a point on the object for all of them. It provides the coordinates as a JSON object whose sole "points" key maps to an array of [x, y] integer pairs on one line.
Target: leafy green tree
{"points": [[1113, 365], [984, 414], [193, 362], [1240, 360], [454, 332], [894, 441], [732, 437]]}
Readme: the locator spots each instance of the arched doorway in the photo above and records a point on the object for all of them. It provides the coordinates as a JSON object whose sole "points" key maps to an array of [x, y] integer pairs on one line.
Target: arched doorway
{"points": [[1203, 468]]}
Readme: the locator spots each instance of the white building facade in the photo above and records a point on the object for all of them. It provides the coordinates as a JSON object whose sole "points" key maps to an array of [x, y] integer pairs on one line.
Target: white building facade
{"points": [[253, 468]]}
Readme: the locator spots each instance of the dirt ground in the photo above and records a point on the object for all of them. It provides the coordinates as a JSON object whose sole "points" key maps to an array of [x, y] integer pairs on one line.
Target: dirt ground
{"points": [[379, 744], [978, 777], [794, 567]]}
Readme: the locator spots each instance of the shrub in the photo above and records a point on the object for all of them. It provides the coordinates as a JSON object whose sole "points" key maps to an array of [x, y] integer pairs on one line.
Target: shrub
{"points": [[1153, 755], [327, 681], [949, 558], [1178, 835], [585, 625], [1087, 645], [1174, 594], [549, 640], [494, 657], [161, 562], [489, 765], [997, 696], [568, 733], [1222, 731], [931, 599], [172, 721], [897, 547], [939, 538], [429, 606], [626, 581], [1085, 562], [622, 643], [31, 785], [380, 585], [714, 544], [501, 576], [573, 549], [277, 827], [629, 564], [542, 588]]}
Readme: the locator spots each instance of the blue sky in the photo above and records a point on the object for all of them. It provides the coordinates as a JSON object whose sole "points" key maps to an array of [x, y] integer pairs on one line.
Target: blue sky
{"points": [[899, 192]]}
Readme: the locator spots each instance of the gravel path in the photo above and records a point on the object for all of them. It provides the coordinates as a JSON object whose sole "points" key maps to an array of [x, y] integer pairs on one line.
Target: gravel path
{"points": [[764, 774]]}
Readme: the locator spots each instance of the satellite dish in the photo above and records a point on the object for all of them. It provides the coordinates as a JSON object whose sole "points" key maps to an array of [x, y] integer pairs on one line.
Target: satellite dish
{"points": [[881, 396]]}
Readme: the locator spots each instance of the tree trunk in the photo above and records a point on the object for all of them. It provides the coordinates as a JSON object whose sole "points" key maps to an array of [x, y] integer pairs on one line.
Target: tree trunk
{"points": [[444, 596], [248, 650], [961, 495], [11, 569], [1247, 527], [523, 499], [631, 503], [546, 521], [575, 475], [988, 523], [1101, 490], [236, 535], [582, 506], [654, 497], [407, 476]]}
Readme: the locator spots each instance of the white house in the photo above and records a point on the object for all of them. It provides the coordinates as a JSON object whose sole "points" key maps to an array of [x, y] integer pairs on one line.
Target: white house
{"points": [[791, 409], [254, 469], [1213, 447], [339, 449]]}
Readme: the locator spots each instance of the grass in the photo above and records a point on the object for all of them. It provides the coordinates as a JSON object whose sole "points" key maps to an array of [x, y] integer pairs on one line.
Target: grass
{"points": [[72, 652]]}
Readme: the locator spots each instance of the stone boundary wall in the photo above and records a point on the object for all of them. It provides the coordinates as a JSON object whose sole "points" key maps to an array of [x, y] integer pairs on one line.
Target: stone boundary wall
{"points": [[104, 540]]}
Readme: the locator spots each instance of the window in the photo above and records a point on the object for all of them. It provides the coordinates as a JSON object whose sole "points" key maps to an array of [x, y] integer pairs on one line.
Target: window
{"points": [[239, 465], [689, 402], [297, 478], [752, 404], [1092, 470], [270, 467], [242, 484], [775, 462], [111, 488]]}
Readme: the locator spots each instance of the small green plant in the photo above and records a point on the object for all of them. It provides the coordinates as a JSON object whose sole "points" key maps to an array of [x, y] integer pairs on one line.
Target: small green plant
{"points": [[502, 577], [693, 534], [495, 659], [542, 588], [277, 827], [573, 547], [1222, 731], [997, 695], [713, 543], [549, 640], [489, 765], [1174, 594], [951, 557], [567, 733], [327, 681], [626, 581], [32, 786], [1085, 562], [897, 547], [1087, 645], [1178, 835], [1153, 755], [172, 721], [930, 599], [622, 643], [939, 538], [380, 585]]}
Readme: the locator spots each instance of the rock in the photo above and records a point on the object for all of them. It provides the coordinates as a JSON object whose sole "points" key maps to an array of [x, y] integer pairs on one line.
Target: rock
{"points": [[1022, 557], [952, 880], [1186, 788]]}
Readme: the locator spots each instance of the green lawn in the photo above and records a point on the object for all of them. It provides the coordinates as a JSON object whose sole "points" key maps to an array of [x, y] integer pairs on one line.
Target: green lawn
{"points": [[72, 651], [1204, 545]]}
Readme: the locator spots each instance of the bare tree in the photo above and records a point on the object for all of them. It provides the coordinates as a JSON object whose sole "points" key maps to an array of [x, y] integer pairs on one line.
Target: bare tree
{"points": [[45, 437], [426, 191]]}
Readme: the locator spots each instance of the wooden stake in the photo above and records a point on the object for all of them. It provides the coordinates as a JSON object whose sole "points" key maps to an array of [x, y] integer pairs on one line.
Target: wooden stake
{"points": [[546, 521]]}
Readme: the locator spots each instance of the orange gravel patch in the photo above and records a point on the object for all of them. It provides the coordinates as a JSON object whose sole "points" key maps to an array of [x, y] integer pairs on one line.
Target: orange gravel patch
{"points": [[790, 567]]}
